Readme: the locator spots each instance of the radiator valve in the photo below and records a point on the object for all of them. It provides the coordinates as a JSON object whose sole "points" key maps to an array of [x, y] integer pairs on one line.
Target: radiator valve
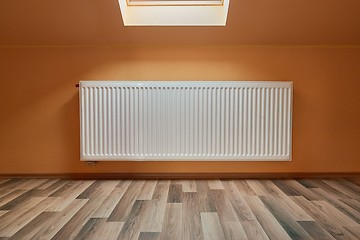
{"points": [[90, 163]]}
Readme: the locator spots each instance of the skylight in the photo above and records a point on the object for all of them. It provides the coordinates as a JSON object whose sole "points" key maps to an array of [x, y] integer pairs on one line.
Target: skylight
{"points": [[174, 2], [174, 12]]}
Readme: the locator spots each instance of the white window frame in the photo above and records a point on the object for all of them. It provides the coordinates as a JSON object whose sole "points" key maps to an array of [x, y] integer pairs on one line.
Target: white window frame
{"points": [[174, 15]]}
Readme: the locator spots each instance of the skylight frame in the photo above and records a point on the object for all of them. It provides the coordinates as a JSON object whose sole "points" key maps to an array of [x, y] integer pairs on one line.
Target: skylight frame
{"points": [[174, 15], [175, 3]]}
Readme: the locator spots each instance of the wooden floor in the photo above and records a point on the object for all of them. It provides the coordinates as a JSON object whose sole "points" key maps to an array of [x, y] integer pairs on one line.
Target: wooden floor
{"points": [[180, 209]]}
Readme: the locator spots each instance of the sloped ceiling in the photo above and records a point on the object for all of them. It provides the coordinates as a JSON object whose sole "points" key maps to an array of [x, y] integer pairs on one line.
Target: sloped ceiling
{"points": [[250, 22]]}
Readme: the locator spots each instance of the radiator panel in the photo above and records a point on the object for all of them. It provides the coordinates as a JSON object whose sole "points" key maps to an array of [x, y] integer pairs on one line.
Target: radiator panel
{"points": [[228, 121]]}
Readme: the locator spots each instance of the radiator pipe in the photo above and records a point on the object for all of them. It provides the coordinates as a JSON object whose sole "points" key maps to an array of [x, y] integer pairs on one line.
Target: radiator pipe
{"points": [[77, 85]]}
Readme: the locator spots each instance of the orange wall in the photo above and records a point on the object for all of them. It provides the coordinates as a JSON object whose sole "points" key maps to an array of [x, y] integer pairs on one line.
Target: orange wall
{"points": [[39, 104]]}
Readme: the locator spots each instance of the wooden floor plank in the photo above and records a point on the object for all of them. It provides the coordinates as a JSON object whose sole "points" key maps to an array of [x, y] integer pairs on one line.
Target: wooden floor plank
{"points": [[68, 187], [174, 195], [337, 216], [90, 190], [308, 183], [14, 194], [273, 189], [354, 180], [321, 218], [46, 190], [215, 184], [352, 191], [354, 230], [267, 188], [352, 203], [130, 229], [267, 221], [189, 185], [172, 225], [86, 229], [49, 182], [99, 228], [305, 192], [14, 184], [2, 212], [30, 214], [257, 187], [68, 193], [60, 219], [315, 230], [3, 180], [211, 226], [285, 217], [191, 218], [347, 183], [253, 230], [149, 236], [97, 187], [287, 203], [153, 217], [19, 200], [244, 188], [31, 184], [205, 201], [112, 200], [289, 206], [340, 205], [24, 216], [286, 188], [239, 205], [351, 235], [73, 188], [223, 206], [10, 185], [34, 226], [322, 185], [233, 230], [11, 216], [294, 188], [123, 208], [72, 227], [147, 190]]}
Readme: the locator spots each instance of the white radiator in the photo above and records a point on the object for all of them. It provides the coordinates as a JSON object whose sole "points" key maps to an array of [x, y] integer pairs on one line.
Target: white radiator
{"points": [[228, 121]]}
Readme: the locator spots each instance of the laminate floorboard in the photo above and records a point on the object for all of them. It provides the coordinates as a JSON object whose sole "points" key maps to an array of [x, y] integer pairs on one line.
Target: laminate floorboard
{"points": [[175, 191], [205, 201], [241, 208], [147, 190], [217, 209], [2, 212], [172, 225], [253, 230], [149, 236], [13, 194], [211, 226], [191, 227], [268, 222], [153, 217]]}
